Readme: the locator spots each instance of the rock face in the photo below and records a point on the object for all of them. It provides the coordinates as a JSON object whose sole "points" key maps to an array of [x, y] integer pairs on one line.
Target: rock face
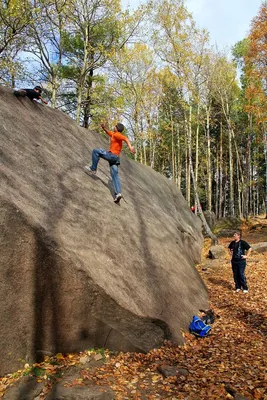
{"points": [[260, 247], [210, 218], [217, 252], [78, 271]]}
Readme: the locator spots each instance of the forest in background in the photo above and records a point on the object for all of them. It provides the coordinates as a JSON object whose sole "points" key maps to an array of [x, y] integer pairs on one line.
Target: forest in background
{"points": [[195, 114]]}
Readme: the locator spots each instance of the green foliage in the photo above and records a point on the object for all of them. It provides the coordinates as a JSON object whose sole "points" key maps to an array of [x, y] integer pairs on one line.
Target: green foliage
{"points": [[240, 50], [38, 372], [27, 371], [9, 68], [14, 19], [69, 72], [72, 43]]}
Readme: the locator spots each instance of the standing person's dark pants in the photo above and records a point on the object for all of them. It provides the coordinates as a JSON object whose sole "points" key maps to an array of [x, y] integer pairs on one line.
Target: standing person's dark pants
{"points": [[238, 268]]}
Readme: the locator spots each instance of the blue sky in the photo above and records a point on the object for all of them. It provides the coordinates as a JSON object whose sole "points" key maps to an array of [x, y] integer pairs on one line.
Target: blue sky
{"points": [[227, 21]]}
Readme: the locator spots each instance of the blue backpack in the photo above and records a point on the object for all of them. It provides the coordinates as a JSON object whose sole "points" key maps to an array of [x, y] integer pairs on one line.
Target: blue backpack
{"points": [[198, 327]]}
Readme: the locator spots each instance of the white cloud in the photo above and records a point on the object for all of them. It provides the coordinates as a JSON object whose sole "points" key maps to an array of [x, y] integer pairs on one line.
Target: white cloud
{"points": [[228, 21]]}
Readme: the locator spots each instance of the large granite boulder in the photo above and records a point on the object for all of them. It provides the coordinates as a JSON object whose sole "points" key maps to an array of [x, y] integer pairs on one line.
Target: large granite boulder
{"points": [[78, 271]]}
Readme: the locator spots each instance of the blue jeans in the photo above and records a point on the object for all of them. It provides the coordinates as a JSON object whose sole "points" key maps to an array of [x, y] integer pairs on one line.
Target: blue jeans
{"points": [[113, 160], [238, 268]]}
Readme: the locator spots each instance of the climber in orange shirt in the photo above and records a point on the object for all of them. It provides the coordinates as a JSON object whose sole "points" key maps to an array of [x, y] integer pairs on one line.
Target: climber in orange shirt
{"points": [[112, 156]]}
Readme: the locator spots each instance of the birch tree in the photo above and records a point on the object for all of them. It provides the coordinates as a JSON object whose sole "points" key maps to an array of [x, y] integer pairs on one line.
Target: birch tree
{"points": [[171, 39], [50, 23], [133, 77], [98, 30], [226, 93], [14, 19]]}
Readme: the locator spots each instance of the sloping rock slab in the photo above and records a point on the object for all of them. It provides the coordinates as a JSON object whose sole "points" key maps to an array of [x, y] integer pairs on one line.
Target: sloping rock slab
{"points": [[260, 247], [78, 271]]}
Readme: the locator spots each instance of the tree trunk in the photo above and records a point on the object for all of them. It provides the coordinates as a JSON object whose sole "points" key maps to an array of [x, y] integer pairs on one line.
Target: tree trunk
{"points": [[136, 136], [172, 146], [240, 177], [265, 156], [144, 140], [231, 179], [178, 161], [88, 100], [188, 181], [82, 76], [239, 203], [209, 192], [197, 148], [247, 177], [54, 90], [152, 146], [79, 102], [250, 184], [13, 81], [217, 183], [221, 172], [200, 212], [226, 111]]}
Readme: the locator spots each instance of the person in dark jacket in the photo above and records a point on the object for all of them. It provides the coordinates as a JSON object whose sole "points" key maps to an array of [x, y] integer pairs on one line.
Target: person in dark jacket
{"points": [[240, 251], [34, 93]]}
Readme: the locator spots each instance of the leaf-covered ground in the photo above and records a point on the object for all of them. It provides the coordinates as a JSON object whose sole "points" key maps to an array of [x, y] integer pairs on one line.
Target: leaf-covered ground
{"points": [[233, 356]]}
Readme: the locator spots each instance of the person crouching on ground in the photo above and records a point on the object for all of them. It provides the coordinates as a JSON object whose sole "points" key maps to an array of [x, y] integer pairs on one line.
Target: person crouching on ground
{"points": [[237, 249], [112, 156], [34, 93]]}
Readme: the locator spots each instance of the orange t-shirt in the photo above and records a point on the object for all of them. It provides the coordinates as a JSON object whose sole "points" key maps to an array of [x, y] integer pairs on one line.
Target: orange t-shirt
{"points": [[116, 139]]}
